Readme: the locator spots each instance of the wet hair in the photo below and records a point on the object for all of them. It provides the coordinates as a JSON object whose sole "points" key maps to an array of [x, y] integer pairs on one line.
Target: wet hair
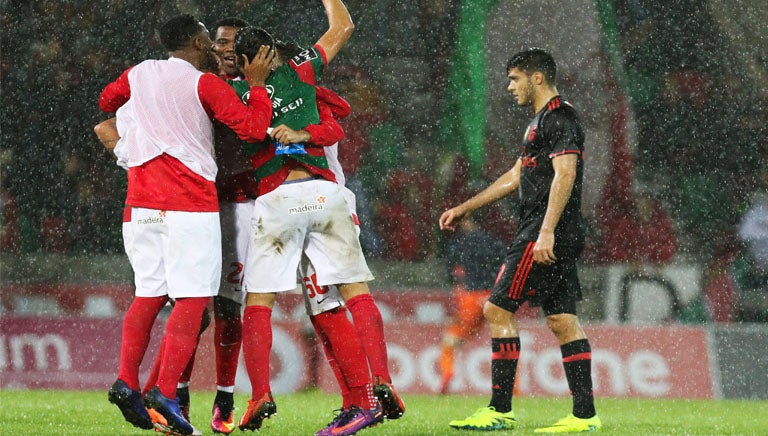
{"points": [[249, 39], [287, 49], [177, 32], [535, 60], [229, 22]]}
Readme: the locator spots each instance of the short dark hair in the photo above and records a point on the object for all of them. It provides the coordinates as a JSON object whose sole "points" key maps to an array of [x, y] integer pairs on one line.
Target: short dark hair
{"points": [[229, 22], [177, 32], [249, 39], [287, 49], [535, 60]]}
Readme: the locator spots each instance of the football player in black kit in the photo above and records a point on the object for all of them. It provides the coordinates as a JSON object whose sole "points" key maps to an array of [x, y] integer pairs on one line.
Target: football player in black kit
{"points": [[540, 267]]}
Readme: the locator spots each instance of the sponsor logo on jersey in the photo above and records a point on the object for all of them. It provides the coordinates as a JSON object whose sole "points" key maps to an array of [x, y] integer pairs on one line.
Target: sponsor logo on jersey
{"points": [[306, 208], [528, 162], [278, 108], [153, 220], [150, 221]]}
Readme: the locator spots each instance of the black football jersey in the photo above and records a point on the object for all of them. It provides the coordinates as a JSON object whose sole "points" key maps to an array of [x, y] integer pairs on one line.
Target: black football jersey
{"points": [[554, 131]]}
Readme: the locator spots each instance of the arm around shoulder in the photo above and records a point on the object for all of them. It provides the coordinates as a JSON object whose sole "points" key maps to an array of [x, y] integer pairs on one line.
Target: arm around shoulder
{"points": [[220, 101]]}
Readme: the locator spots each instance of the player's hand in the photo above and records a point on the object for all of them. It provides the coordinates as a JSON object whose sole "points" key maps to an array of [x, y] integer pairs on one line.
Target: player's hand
{"points": [[257, 70], [286, 135], [544, 249], [452, 217]]}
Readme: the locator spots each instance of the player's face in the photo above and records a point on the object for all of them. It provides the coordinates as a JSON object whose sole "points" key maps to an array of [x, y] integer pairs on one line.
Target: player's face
{"points": [[520, 86], [210, 61], [224, 46]]}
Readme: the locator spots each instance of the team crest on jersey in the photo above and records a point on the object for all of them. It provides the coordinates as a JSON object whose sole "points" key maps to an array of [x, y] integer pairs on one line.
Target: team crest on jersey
{"points": [[530, 133]]}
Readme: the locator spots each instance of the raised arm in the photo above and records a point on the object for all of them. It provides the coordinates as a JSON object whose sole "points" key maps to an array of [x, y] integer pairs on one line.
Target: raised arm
{"points": [[340, 28]]}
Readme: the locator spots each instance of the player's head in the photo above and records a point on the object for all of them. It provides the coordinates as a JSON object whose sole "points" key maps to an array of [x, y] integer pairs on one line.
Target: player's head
{"points": [[224, 32], [535, 60], [249, 39], [287, 49], [181, 31], [185, 33], [528, 71]]}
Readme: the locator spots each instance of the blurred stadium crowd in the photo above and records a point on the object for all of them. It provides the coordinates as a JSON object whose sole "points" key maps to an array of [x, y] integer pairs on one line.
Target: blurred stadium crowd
{"points": [[700, 111]]}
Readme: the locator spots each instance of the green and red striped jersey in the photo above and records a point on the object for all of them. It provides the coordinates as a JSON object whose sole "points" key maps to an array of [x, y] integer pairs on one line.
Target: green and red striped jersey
{"points": [[291, 87]]}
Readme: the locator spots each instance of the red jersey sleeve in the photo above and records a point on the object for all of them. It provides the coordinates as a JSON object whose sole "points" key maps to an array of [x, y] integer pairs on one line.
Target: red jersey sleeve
{"points": [[339, 106], [329, 131], [310, 64], [116, 93], [220, 101]]}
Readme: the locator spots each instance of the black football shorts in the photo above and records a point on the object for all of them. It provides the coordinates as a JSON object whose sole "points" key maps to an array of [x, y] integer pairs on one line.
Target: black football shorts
{"points": [[554, 287]]}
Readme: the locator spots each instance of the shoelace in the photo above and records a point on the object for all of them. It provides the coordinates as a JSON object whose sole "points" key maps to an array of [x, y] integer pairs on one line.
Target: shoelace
{"points": [[348, 415], [339, 414]]}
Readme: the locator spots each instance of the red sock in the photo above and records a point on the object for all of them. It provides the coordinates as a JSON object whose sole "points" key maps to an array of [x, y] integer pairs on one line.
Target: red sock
{"points": [[228, 336], [181, 334], [257, 344], [345, 355], [362, 396], [370, 329], [137, 326], [186, 375], [155, 371]]}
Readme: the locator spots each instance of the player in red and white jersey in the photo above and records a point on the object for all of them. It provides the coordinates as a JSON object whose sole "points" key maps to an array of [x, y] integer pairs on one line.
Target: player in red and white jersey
{"points": [[349, 360], [171, 222]]}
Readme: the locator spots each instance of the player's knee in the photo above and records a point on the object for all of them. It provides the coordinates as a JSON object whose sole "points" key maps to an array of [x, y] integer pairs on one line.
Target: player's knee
{"points": [[563, 325], [495, 314], [224, 308]]}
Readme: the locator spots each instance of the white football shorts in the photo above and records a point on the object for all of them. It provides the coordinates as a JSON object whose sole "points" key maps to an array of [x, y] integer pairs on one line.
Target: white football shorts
{"points": [[173, 253], [308, 217], [319, 299]]}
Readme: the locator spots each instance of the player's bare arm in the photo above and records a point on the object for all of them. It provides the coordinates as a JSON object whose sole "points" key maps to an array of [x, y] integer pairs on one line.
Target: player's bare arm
{"points": [[286, 135], [257, 70], [107, 133], [560, 192], [340, 28], [503, 186]]}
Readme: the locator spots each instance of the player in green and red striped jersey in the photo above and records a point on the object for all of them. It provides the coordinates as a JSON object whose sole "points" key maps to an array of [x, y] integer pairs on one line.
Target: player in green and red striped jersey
{"points": [[300, 205]]}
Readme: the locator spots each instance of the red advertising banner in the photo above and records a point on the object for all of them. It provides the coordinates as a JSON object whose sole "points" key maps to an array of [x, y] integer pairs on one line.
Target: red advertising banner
{"points": [[665, 362], [78, 352]]}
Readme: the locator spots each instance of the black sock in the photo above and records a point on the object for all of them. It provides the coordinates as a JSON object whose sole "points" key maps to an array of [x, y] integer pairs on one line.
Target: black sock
{"points": [[183, 394], [226, 402], [505, 352], [577, 362]]}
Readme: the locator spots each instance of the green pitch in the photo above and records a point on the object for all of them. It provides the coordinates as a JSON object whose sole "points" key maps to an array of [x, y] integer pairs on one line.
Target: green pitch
{"points": [[61, 413]]}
